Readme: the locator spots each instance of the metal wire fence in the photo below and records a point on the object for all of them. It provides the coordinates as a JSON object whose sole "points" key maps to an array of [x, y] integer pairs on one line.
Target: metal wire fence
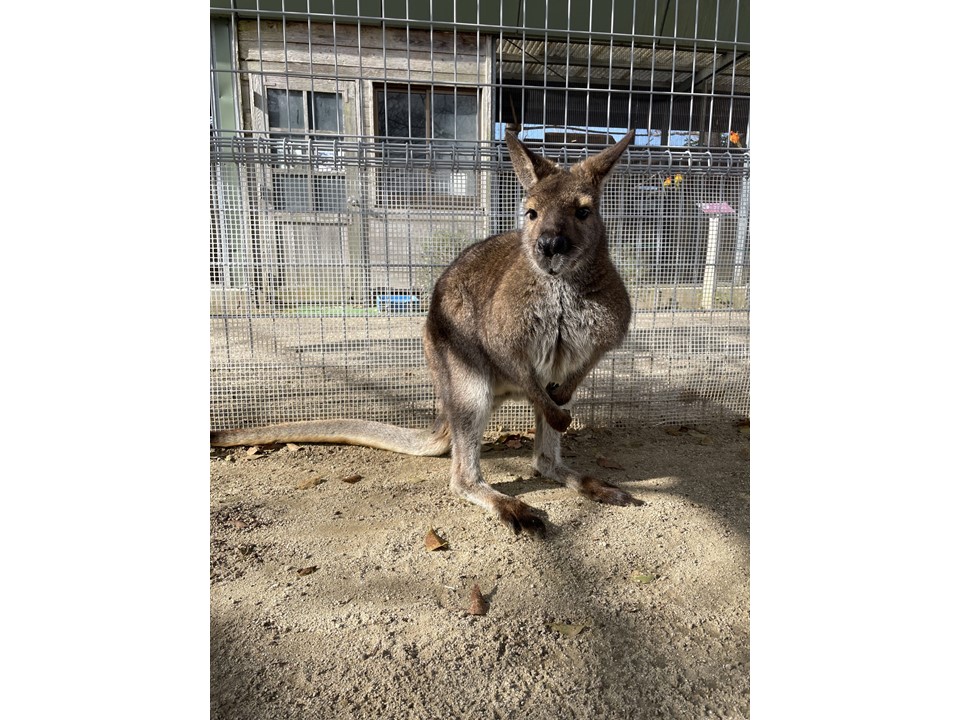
{"points": [[357, 147]]}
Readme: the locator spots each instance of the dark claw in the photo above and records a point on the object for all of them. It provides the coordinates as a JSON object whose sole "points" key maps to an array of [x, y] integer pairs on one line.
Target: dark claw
{"points": [[535, 526], [520, 517]]}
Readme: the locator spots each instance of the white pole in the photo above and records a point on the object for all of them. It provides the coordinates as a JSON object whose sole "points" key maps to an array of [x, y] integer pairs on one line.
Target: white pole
{"points": [[710, 265]]}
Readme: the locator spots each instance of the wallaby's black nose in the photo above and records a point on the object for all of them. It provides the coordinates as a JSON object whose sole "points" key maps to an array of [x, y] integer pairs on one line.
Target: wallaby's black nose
{"points": [[551, 245]]}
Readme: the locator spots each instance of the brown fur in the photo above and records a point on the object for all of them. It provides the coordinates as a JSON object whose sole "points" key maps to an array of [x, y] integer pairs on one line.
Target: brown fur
{"points": [[522, 315]]}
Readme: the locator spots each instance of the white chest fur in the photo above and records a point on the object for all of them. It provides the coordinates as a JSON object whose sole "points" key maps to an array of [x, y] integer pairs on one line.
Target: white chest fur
{"points": [[565, 333]]}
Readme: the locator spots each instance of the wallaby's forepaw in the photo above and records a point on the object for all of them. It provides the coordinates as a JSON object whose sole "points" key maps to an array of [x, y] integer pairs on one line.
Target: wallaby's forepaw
{"points": [[604, 492], [559, 394], [520, 517], [559, 419]]}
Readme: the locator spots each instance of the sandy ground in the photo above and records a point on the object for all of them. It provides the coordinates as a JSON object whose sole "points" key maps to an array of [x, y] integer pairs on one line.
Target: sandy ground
{"points": [[326, 602]]}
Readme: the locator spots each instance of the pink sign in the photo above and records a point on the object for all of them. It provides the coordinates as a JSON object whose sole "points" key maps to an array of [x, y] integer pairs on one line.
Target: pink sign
{"points": [[720, 208]]}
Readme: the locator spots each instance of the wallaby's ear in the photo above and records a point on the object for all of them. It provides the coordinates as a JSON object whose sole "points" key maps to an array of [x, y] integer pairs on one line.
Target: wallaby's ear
{"points": [[597, 167], [530, 167]]}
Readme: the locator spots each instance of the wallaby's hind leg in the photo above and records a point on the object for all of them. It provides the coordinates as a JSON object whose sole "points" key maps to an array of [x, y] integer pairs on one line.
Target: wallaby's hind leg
{"points": [[548, 463], [467, 403]]}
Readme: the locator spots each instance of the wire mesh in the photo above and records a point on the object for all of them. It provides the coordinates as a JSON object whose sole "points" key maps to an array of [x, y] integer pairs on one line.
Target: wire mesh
{"points": [[353, 156]]}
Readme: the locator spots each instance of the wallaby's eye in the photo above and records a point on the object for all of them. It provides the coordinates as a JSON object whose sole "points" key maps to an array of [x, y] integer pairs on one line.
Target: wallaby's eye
{"points": [[532, 214], [582, 213]]}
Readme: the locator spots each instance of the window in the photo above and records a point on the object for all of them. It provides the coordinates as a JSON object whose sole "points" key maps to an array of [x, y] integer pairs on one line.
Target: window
{"points": [[429, 146], [304, 128]]}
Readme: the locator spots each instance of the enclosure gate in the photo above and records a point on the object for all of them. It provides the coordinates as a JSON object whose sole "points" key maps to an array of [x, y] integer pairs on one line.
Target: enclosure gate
{"points": [[357, 147]]}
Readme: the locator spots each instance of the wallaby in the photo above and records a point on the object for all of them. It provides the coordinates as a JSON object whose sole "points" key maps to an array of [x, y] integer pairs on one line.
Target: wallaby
{"points": [[522, 315]]}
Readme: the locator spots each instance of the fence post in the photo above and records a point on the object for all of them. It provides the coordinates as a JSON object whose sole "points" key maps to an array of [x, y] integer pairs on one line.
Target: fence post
{"points": [[713, 211], [740, 250]]}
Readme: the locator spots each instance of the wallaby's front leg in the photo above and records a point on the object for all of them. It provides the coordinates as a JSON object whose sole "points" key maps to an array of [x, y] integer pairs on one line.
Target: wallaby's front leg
{"points": [[547, 462], [562, 393], [544, 405]]}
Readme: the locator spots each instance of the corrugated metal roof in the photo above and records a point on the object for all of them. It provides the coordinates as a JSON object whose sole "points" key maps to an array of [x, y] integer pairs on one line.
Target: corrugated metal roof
{"points": [[664, 69]]}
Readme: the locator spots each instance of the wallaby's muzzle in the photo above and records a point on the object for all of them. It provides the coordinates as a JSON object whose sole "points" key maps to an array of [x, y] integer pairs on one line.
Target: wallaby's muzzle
{"points": [[551, 245]]}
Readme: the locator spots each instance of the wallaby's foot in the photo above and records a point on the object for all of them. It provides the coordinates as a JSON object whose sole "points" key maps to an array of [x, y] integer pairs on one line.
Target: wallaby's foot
{"points": [[518, 516], [604, 492]]}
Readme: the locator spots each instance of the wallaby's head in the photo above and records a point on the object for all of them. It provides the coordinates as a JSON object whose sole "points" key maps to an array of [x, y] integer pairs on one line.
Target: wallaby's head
{"points": [[562, 225]]}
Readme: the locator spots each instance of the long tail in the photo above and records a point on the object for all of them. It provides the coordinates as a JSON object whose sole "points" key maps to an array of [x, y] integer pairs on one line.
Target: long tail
{"points": [[341, 432]]}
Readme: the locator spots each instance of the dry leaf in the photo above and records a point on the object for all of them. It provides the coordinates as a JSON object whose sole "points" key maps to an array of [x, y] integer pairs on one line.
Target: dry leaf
{"points": [[238, 524], [513, 443], [434, 542], [308, 483], [307, 570], [252, 453], [608, 463], [351, 479], [478, 604], [567, 630], [642, 577], [292, 447]]}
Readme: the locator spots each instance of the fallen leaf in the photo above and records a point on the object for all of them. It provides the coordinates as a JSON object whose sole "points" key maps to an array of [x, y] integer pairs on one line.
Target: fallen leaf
{"points": [[251, 451], [351, 479], [238, 524], [513, 443], [292, 447], [478, 604], [434, 542], [308, 483], [567, 630], [608, 463], [307, 570], [642, 577]]}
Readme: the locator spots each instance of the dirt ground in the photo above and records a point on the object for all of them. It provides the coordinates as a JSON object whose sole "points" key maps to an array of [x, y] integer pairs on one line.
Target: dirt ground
{"points": [[326, 602]]}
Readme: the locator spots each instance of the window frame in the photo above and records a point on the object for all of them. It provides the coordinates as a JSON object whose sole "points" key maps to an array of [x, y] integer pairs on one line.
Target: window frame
{"points": [[308, 163], [429, 196]]}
